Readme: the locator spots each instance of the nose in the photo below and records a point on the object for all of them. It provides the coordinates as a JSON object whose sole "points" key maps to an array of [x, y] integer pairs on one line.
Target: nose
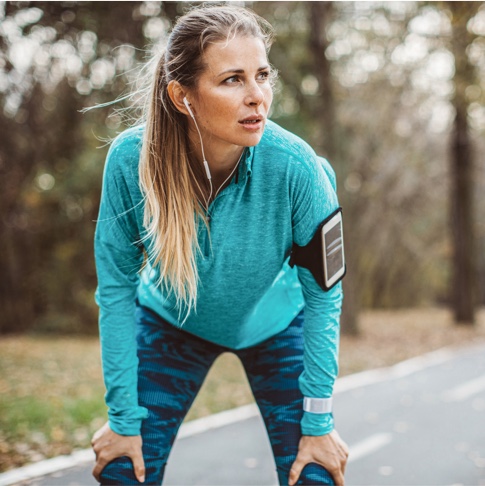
{"points": [[255, 95]]}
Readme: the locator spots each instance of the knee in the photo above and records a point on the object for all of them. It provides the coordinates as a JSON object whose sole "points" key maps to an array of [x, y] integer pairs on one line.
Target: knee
{"points": [[314, 474], [120, 472]]}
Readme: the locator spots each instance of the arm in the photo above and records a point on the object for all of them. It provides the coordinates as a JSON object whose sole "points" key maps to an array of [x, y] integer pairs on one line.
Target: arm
{"points": [[119, 258], [314, 198]]}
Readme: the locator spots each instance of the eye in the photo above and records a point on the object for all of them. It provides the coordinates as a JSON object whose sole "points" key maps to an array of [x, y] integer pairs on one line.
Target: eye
{"points": [[263, 75], [231, 80]]}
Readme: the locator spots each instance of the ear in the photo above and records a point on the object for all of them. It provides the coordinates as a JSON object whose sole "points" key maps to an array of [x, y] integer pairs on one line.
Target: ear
{"points": [[177, 94]]}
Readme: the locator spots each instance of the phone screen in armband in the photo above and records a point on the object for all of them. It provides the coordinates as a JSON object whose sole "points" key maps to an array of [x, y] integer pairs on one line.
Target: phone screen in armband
{"points": [[333, 250], [324, 255]]}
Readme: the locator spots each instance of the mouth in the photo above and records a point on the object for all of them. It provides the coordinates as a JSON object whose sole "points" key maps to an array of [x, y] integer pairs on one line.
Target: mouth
{"points": [[252, 121]]}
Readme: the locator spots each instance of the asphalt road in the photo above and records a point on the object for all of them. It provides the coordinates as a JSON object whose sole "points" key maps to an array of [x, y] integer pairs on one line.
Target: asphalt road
{"points": [[418, 423], [419, 428]]}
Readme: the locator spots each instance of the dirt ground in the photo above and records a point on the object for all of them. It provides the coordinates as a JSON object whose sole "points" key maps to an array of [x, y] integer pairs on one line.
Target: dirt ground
{"points": [[387, 337]]}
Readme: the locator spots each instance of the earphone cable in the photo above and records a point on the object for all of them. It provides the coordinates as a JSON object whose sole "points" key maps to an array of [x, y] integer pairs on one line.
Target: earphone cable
{"points": [[207, 169]]}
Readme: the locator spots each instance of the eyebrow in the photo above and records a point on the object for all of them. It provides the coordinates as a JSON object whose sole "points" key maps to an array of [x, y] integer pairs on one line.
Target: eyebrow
{"points": [[240, 71]]}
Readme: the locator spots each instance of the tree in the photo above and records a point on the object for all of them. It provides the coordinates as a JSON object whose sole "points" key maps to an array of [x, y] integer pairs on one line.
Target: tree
{"points": [[324, 114], [465, 271], [349, 71], [57, 58], [370, 85]]}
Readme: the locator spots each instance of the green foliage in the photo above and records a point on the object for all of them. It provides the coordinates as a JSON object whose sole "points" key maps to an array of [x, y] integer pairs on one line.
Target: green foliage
{"points": [[52, 395]]}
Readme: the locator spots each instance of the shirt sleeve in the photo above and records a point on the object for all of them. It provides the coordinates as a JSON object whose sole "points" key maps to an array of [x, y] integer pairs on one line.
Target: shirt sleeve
{"points": [[119, 257], [314, 199]]}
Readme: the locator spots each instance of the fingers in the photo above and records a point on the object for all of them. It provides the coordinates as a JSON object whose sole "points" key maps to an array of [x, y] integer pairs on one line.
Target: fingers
{"points": [[99, 433], [102, 460], [334, 469], [338, 476], [342, 453], [296, 469], [108, 445], [138, 465], [98, 468], [343, 450], [329, 451], [345, 454]]}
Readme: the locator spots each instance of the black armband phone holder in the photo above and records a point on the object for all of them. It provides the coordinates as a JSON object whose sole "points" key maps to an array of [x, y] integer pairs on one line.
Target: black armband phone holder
{"points": [[324, 256]]}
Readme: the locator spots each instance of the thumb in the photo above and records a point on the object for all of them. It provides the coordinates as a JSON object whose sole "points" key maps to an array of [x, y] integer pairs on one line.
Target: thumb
{"points": [[138, 465], [295, 471]]}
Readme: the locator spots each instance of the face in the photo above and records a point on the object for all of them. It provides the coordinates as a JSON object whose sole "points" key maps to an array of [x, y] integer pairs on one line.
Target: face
{"points": [[233, 94]]}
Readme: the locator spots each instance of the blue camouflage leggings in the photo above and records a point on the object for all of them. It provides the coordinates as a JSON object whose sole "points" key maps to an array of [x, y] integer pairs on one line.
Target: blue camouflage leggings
{"points": [[172, 367]]}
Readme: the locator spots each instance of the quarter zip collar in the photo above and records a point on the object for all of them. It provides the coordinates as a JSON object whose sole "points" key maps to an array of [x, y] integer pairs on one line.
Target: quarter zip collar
{"points": [[245, 170]]}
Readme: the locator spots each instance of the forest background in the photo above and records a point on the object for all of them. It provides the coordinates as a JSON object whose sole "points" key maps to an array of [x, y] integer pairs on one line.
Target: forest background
{"points": [[392, 93]]}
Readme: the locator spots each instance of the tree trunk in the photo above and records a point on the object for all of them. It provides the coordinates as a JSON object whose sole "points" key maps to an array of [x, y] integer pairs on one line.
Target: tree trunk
{"points": [[319, 17], [464, 275]]}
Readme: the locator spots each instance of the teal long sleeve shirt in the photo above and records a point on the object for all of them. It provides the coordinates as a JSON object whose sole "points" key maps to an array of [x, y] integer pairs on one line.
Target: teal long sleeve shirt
{"points": [[247, 292]]}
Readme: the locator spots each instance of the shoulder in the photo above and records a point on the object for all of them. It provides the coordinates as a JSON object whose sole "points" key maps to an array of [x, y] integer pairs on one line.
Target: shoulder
{"points": [[124, 153], [282, 142], [127, 144], [284, 148]]}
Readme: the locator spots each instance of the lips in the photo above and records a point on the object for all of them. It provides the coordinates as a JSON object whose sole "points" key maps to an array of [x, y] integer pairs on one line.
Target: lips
{"points": [[252, 123], [251, 120]]}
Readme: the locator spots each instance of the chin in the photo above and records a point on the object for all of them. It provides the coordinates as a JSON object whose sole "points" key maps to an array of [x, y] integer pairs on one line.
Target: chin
{"points": [[253, 141], [250, 140]]}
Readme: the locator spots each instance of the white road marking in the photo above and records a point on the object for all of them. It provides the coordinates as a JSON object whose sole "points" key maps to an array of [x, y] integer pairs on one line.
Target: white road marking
{"points": [[399, 370], [464, 391], [369, 446], [48, 466], [187, 429], [217, 420]]}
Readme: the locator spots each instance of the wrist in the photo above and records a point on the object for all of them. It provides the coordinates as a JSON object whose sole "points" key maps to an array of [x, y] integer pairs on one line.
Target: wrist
{"points": [[314, 424]]}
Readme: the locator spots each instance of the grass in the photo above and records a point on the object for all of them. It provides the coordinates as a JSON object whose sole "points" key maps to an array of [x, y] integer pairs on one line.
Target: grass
{"points": [[51, 389]]}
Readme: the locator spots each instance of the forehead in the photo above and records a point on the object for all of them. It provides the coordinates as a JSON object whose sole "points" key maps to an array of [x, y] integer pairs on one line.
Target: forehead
{"points": [[240, 52]]}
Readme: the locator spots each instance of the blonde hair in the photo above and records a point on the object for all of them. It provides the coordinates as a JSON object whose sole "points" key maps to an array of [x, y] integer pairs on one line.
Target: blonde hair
{"points": [[170, 178]]}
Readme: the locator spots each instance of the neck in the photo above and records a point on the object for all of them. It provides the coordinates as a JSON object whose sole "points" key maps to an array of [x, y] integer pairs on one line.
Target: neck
{"points": [[221, 157], [222, 160]]}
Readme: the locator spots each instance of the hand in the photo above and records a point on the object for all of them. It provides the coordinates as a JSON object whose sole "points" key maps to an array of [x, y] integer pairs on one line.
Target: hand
{"points": [[330, 451], [109, 445]]}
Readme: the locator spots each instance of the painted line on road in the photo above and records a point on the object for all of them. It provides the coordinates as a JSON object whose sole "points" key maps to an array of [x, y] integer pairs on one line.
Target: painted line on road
{"points": [[48, 466], [399, 370], [188, 429], [217, 420], [464, 391], [369, 446]]}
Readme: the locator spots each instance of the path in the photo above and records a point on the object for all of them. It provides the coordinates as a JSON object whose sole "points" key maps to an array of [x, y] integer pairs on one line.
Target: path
{"points": [[421, 422]]}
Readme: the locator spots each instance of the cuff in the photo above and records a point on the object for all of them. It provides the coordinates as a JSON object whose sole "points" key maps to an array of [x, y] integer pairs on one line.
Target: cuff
{"points": [[316, 423], [132, 426]]}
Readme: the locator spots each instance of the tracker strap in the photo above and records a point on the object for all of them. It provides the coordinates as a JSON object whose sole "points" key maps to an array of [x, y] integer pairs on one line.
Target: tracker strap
{"points": [[317, 405]]}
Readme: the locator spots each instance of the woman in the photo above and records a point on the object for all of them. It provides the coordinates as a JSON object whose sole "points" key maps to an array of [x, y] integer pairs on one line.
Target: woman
{"points": [[200, 208]]}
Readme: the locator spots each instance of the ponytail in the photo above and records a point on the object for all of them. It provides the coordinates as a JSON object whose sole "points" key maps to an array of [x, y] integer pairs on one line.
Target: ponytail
{"points": [[172, 180]]}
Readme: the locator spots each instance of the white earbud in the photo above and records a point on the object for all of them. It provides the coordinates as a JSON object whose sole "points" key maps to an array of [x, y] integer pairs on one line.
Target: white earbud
{"points": [[187, 105]]}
